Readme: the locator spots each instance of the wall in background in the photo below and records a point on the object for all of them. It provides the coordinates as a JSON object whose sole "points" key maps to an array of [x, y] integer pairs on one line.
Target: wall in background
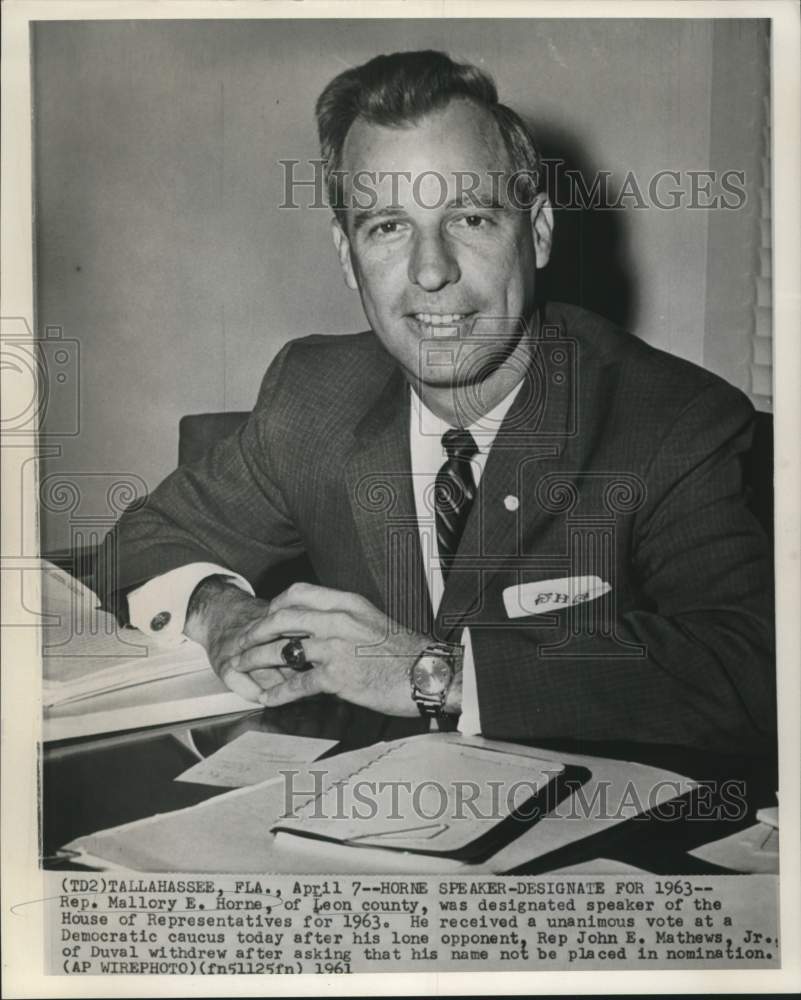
{"points": [[161, 248], [738, 339]]}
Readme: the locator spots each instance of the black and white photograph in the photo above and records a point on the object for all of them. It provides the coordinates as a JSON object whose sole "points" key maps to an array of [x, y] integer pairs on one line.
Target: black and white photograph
{"points": [[400, 491]]}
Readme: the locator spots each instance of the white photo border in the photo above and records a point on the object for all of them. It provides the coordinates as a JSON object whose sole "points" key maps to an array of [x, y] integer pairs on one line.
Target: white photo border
{"points": [[22, 920]]}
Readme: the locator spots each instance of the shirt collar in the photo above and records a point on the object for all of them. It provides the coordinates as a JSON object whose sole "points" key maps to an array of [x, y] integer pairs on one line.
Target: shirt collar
{"points": [[484, 430]]}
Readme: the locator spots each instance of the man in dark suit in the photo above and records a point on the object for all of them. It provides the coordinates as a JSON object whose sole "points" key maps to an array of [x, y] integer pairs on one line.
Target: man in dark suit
{"points": [[522, 520]]}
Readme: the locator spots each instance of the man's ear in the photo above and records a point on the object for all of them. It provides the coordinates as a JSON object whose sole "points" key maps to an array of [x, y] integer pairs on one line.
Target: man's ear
{"points": [[342, 244], [541, 217]]}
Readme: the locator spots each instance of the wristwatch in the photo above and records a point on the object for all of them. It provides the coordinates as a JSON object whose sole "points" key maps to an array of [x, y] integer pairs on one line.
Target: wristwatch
{"points": [[431, 677]]}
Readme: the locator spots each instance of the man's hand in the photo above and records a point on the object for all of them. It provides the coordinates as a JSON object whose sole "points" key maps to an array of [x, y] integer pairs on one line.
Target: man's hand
{"points": [[358, 653], [219, 614]]}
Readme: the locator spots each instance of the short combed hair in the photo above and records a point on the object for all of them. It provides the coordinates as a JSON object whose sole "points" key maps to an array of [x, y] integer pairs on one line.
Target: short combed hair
{"points": [[399, 89]]}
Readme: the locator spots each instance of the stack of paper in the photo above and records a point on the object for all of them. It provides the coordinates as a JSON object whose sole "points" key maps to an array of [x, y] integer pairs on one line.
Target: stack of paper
{"points": [[571, 832], [255, 757], [99, 677], [188, 658], [450, 798]]}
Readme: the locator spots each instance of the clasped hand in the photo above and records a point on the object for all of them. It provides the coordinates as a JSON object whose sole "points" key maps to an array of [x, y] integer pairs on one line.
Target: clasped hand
{"points": [[358, 653]]}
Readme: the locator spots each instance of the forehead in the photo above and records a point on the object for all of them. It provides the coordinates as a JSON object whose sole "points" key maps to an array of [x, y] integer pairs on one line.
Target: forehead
{"points": [[462, 136]]}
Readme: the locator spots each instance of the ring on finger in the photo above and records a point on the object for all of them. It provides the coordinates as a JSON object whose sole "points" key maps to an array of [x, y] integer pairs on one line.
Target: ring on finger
{"points": [[294, 655]]}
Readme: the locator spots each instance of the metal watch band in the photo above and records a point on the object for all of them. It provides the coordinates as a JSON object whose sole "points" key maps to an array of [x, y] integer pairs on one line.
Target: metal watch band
{"points": [[430, 706], [433, 706], [452, 650]]}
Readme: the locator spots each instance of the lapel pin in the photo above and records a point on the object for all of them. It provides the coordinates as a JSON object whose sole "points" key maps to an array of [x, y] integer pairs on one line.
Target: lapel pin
{"points": [[511, 502]]}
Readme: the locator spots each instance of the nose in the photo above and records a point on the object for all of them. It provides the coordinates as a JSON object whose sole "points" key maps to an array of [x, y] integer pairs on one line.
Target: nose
{"points": [[432, 264]]}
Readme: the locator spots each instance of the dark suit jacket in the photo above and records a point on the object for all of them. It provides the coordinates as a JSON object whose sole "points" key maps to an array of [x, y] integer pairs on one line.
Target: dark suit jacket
{"points": [[626, 463]]}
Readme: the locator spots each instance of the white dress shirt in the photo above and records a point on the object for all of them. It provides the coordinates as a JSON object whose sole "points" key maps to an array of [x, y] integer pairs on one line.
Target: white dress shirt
{"points": [[427, 457], [159, 606]]}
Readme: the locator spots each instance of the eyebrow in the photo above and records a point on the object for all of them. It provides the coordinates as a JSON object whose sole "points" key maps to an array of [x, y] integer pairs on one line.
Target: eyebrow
{"points": [[364, 216], [472, 200]]}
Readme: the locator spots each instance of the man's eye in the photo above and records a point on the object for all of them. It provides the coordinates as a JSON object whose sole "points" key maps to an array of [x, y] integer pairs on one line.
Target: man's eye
{"points": [[385, 228], [473, 221]]}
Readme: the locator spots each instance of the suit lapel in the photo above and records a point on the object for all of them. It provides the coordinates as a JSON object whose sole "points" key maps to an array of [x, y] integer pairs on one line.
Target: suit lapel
{"points": [[534, 430], [379, 483]]}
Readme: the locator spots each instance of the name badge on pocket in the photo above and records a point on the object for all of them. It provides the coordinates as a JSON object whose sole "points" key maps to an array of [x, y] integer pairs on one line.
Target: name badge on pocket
{"points": [[544, 596]]}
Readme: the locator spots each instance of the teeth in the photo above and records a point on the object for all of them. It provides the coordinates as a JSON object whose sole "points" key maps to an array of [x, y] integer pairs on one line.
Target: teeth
{"points": [[439, 319]]}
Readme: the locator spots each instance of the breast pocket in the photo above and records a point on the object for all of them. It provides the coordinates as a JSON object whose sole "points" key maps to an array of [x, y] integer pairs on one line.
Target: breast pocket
{"points": [[541, 597]]}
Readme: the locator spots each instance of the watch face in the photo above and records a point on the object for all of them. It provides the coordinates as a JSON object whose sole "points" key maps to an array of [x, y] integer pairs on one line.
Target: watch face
{"points": [[432, 674]]}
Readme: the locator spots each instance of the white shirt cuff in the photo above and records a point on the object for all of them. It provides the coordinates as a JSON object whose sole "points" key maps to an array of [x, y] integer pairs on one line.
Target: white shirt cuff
{"points": [[469, 720], [158, 607]]}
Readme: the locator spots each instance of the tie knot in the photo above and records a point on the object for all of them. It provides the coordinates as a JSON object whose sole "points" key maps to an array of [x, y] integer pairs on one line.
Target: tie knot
{"points": [[459, 445]]}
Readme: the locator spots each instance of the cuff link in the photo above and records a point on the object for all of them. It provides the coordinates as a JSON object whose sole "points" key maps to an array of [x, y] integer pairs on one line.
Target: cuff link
{"points": [[160, 621]]}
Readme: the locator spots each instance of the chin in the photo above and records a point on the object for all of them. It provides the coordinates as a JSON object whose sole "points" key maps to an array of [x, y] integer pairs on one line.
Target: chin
{"points": [[442, 378]]}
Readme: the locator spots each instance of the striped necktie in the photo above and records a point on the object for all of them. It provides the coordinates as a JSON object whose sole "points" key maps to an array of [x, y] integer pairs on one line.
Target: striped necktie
{"points": [[454, 493]]}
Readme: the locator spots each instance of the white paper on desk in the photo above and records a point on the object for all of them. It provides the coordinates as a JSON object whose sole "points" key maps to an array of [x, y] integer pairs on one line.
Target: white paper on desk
{"points": [[430, 815], [78, 638], [158, 843], [254, 757], [189, 658], [754, 850]]}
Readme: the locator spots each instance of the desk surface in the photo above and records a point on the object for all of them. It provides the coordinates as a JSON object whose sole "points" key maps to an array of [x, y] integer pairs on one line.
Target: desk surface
{"points": [[95, 783]]}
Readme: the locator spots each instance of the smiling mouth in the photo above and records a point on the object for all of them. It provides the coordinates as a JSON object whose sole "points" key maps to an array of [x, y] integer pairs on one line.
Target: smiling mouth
{"points": [[440, 319], [442, 324]]}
